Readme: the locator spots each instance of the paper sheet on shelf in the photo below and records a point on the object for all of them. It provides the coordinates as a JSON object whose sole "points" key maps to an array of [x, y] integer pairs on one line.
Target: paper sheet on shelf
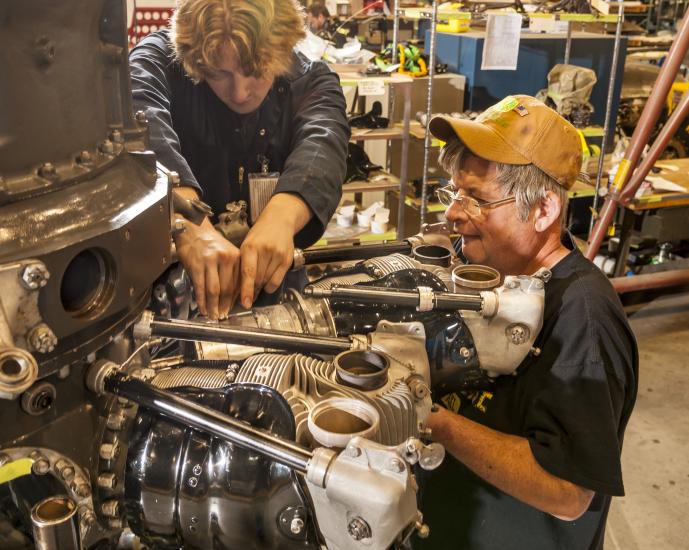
{"points": [[501, 46], [661, 184]]}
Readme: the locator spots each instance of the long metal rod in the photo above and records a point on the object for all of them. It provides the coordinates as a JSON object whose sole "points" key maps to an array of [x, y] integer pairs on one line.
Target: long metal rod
{"points": [[362, 252], [568, 43], [675, 277], [405, 298], [645, 126], [429, 113], [274, 339], [404, 168], [395, 29], [208, 420], [608, 108]]}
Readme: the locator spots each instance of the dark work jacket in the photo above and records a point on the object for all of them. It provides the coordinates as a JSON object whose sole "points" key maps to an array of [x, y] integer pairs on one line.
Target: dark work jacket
{"points": [[300, 128]]}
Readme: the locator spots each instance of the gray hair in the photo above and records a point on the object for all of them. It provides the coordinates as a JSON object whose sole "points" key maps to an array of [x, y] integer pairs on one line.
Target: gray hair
{"points": [[528, 183]]}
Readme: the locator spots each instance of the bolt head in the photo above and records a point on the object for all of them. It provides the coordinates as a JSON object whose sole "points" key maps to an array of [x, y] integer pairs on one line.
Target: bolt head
{"points": [[115, 421], [34, 276], [47, 170], [107, 147], [42, 339], [296, 526], [197, 469], [396, 465], [352, 451], [110, 508], [141, 117], [109, 451], [81, 487], [41, 466], [518, 334], [193, 482], [116, 136], [465, 352], [107, 480], [358, 529]]}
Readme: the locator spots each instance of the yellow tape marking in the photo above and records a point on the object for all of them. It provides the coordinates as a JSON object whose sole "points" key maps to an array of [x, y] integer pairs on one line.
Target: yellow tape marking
{"points": [[15, 469]]}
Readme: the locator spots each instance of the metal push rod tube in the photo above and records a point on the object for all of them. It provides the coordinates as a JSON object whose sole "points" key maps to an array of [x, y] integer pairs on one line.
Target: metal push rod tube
{"points": [[289, 341], [568, 43], [643, 130], [364, 252], [675, 277], [407, 298], [395, 30], [608, 107], [209, 421]]}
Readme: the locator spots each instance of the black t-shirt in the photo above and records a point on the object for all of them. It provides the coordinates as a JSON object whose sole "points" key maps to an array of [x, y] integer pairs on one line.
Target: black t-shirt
{"points": [[571, 402]]}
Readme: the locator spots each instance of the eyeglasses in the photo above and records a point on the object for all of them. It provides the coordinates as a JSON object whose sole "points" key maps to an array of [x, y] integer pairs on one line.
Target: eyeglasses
{"points": [[447, 195]]}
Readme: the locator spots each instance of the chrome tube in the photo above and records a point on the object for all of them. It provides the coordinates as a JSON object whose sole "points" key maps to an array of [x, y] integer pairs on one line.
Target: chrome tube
{"points": [[197, 331], [429, 112], [55, 524], [209, 421]]}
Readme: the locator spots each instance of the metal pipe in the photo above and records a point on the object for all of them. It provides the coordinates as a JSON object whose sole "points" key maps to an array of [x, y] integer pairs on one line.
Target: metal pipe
{"points": [[209, 421], [395, 30], [404, 168], [398, 297], [647, 281], [429, 113], [666, 133], [55, 524], [608, 108], [643, 130], [274, 339], [363, 252], [568, 43]]}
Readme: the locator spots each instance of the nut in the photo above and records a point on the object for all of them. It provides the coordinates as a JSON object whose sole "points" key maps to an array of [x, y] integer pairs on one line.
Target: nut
{"points": [[116, 136], [107, 480], [193, 482], [352, 451], [47, 170], [34, 276], [81, 487], [42, 339], [197, 469], [116, 421], [110, 508], [296, 526], [64, 469], [422, 530], [106, 147], [396, 465], [84, 157], [109, 451], [141, 117], [41, 465], [358, 529], [465, 352], [86, 515]]}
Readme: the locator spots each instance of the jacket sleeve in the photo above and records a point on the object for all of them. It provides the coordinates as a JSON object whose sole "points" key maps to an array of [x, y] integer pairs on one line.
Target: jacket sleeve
{"points": [[317, 163], [148, 64]]}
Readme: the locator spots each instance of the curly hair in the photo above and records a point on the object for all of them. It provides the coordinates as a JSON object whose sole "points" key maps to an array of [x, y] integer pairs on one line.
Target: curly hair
{"points": [[262, 34]]}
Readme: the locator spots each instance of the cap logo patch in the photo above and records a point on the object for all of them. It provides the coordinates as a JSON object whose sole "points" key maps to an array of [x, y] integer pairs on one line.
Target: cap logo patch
{"points": [[521, 110], [494, 113]]}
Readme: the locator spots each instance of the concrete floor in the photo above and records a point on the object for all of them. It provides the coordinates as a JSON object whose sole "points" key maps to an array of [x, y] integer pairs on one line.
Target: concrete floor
{"points": [[655, 457]]}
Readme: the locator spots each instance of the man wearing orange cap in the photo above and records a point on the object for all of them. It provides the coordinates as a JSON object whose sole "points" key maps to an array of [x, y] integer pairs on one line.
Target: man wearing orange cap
{"points": [[534, 461]]}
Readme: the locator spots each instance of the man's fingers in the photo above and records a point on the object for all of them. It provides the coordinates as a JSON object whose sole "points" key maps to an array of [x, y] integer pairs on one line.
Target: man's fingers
{"points": [[198, 281], [212, 290], [248, 276], [228, 283], [275, 273]]}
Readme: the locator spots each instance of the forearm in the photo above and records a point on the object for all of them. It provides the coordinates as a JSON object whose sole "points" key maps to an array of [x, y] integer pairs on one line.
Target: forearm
{"points": [[286, 212], [506, 461]]}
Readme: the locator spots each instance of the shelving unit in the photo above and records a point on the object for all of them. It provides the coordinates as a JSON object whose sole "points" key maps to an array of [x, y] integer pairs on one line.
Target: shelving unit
{"points": [[398, 132]]}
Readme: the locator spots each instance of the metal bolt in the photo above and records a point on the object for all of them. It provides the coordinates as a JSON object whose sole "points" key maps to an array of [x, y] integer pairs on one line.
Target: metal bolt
{"points": [[107, 480], [81, 487], [41, 465], [109, 451], [358, 529], [422, 530], [141, 117], [47, 170], [465, 352], [110, 508], [116, 421], [86, 515], [352, 451], [107, 147], [64, 469], [193, 482], [517, 334], [34, 276], [230, 376], [197, 470], [84, 157], [116, 136], [396, 465], [296, 526], [511, 283], [42, 339], [538, 284]]}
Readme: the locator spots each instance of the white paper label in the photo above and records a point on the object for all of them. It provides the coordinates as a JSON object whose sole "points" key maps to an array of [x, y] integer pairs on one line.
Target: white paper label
{"points": [[371, 86], [501, 47]]}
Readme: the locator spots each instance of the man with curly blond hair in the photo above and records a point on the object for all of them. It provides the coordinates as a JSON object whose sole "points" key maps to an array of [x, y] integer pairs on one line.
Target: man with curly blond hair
{"points": [[227, 96]]}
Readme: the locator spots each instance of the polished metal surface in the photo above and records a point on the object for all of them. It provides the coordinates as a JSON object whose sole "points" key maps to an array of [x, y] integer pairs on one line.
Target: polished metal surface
{"points": [[55, 524]]}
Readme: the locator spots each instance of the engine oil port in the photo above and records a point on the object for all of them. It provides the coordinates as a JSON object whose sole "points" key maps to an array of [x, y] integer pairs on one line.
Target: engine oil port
{"points": [[364, 370], [474, 277], [333, 422], [431, 254]]}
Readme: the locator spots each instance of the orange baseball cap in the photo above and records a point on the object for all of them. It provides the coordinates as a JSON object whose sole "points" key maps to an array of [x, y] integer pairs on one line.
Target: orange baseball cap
{"points": [[519, 130]]}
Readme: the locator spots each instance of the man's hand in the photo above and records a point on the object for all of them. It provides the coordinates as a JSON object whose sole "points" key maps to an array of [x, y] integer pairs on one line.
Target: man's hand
{"points": [[268, 250], [213, 265]]}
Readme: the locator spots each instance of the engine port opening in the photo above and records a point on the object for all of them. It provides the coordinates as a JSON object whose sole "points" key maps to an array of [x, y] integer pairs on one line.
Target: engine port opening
{"points": [[475, 277], [54, 509], [364, 370], [88, 283], [333, 422], [431, 254], [10, 367]]}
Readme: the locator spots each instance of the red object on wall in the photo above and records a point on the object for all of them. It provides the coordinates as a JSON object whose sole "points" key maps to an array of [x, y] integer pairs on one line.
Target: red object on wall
{"points": [[147, 20]]}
